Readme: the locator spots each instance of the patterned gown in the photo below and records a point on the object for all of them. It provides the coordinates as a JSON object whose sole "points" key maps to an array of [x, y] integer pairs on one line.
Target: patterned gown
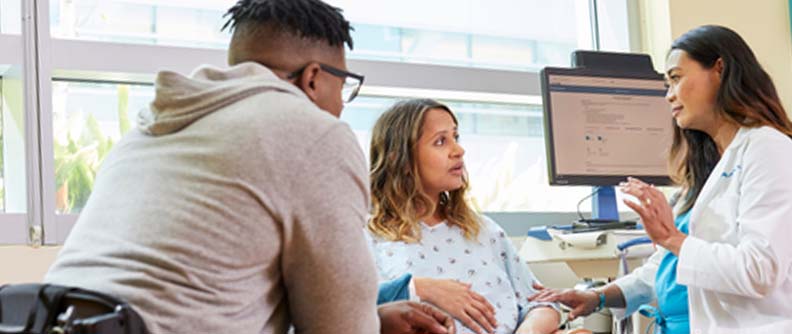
{"points": [[490, 264]]}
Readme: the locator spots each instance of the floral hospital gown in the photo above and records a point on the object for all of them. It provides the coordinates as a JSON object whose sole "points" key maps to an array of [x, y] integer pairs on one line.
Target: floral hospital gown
{"points": [[490, 264]]}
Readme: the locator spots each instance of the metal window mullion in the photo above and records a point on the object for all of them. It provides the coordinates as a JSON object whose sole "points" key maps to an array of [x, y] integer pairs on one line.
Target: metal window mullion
{"points": [[32, 156], [52, 230], [38, 124], [594, 14], [133, 63]]}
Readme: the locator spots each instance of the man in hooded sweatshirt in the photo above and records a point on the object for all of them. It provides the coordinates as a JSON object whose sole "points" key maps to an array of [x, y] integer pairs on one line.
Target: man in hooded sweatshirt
{"points": [[237, 204]]}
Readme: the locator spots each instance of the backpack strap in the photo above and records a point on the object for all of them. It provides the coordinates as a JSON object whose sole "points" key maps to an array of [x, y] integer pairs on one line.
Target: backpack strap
{"points": [[1, 304], [36, 308], [51, 299], [48, 300], [31, 318]]}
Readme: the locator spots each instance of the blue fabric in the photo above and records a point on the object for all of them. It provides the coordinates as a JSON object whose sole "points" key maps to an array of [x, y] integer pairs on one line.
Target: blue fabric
{"points": [[672, 316], [540, 232], [395, 290]]}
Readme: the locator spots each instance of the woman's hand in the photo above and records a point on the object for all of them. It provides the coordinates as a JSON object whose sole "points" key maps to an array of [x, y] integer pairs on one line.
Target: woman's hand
{"points": [[582, 303], [656, 214], [459, 300]]}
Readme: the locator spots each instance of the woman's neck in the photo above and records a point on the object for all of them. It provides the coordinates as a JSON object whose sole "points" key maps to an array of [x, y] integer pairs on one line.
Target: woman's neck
{"points": [[723, 135], [437, 217], [434, 219]]}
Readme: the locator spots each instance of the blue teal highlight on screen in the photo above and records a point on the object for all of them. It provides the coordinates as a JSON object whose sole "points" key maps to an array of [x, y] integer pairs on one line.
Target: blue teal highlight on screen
{"points": [[607, 90]]}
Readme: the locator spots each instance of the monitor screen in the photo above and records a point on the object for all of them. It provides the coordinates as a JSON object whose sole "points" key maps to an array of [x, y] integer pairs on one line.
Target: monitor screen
{"points": [[600, 129]]}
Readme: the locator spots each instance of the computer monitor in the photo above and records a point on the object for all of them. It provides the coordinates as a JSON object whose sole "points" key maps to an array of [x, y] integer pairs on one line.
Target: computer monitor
{"points": [[603, 126]]}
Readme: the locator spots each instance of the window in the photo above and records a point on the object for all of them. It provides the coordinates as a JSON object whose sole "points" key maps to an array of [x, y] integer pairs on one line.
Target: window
{"points": [[88, 119], [504, 153], [2, 164], [71, 90], [10, 20], [14, 127], [457, 49], [2, 158], [177, 23], [613, 22], [504, 144], [12, 148], [511, 34], [514, 34]]}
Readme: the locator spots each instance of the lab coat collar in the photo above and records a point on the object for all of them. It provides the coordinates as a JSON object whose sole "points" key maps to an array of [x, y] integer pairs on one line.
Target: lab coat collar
{"points": [[712, 181]]}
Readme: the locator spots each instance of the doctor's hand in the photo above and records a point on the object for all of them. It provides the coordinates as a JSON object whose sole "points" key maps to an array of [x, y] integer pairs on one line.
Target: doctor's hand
{"points": [[582, 303], [656, 214], [410, 317], [459, 301]]}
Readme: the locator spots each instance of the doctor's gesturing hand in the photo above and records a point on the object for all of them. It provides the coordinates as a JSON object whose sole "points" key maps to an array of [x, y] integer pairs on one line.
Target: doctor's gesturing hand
{"points": [[656, 214]]}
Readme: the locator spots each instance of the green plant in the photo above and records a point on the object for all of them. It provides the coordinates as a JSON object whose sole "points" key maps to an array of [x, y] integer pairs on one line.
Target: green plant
{"points": [[78, 160]]}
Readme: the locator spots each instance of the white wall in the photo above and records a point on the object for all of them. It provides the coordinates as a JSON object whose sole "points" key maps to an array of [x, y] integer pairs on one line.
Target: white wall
{"points": [[764, 24]]}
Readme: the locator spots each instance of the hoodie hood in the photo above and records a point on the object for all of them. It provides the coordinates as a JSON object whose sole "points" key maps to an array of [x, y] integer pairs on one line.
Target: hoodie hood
{"points": [[181, 100]]}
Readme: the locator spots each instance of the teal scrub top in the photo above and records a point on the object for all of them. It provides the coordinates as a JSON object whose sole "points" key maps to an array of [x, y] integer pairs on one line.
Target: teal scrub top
{"points": [[672, 316]]}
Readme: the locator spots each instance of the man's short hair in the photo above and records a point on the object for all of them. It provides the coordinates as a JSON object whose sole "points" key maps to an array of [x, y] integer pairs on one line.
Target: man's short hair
{"points": [[307, 19]]}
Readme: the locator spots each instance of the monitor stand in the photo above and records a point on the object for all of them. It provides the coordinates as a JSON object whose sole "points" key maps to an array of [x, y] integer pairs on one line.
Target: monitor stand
{"points": [[604, 213], [603, 205]]}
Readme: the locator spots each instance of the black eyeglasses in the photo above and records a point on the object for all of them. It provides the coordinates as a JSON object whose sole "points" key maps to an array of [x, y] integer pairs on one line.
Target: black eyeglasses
{"points": [[352, 81]]}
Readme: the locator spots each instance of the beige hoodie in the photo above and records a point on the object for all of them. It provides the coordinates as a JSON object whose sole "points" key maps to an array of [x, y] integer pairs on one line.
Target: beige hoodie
{"points": [[236, 207]]}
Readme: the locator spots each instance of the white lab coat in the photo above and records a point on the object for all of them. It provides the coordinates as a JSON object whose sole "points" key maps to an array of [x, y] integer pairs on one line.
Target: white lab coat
{"points": [[737, 261]]}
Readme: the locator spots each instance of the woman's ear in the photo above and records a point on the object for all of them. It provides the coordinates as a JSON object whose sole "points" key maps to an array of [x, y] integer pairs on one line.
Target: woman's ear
{"points": [[719, 66]]}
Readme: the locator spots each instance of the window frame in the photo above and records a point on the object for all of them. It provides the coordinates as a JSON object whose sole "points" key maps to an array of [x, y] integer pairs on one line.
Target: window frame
{"points": [[41, 57]]}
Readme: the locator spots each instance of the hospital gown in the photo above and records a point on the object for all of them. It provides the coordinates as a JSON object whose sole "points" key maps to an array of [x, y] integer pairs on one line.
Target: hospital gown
{"points": [[490, 264]]}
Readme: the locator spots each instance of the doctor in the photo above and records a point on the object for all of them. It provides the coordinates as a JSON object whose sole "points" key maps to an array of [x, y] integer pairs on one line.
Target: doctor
{"points": [[730, 156], [729, 120]]}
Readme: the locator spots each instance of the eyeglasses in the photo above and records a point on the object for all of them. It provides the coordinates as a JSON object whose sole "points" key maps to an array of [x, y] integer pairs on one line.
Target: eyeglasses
{"points": [[352, 81]]}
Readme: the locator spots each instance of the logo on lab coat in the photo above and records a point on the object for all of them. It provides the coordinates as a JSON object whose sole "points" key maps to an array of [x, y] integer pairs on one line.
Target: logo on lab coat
{"points": [[734, 170]]}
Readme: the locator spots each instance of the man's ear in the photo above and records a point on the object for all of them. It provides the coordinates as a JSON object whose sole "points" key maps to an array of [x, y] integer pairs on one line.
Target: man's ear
{"points": [[307, 80]]}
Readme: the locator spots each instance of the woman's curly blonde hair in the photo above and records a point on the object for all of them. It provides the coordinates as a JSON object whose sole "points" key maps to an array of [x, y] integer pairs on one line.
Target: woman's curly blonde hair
{"points": [[399, 202]]}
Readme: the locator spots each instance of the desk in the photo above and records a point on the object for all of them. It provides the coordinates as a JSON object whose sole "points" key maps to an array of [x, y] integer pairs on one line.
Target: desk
{"points": [[590, 254]]}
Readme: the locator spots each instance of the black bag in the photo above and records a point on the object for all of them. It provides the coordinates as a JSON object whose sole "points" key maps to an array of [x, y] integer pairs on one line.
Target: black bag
{"points": [[55, 309]]}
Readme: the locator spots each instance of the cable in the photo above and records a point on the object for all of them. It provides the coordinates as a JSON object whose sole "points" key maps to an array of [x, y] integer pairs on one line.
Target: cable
{"points": [[580, 215]]}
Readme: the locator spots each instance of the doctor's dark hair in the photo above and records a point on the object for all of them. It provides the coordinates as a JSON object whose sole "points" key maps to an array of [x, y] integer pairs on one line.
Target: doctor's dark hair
{"points": [[309, 19], [747, 96], [399, 202]]}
